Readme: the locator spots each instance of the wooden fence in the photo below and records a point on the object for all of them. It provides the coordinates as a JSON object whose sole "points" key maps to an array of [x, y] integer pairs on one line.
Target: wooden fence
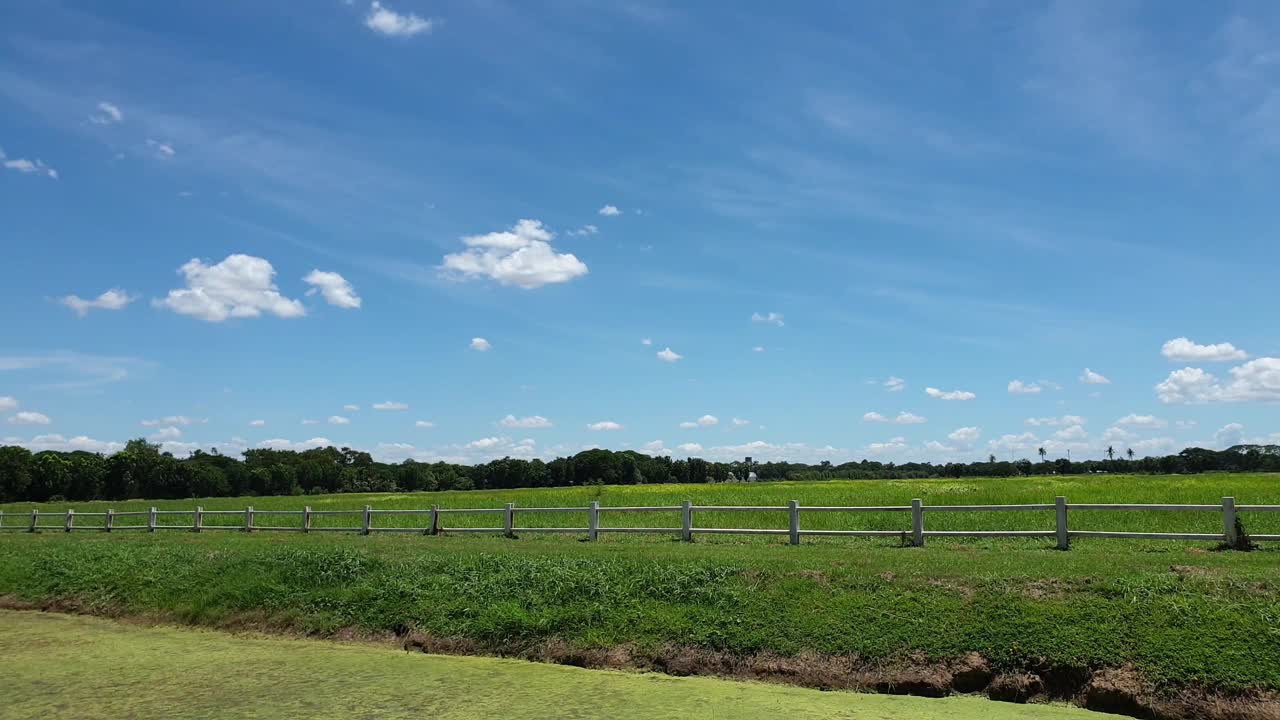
{"points": [[249, 520]]}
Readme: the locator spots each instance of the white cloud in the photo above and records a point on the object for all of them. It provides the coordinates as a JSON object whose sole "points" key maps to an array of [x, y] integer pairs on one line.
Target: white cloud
{"points": [[240, 286], [479, 344], [532, 421], [906, 418], [1146, 421], [1158, 445], [584, 230], [654, 446], [895, 384], [1185, 424], [1014, 443], [113, 299], [892, 445], [708, 420], [965, 435], [28, 417], [670, 356], [689, 447], [165, 433], [282, 444], [424, 424], [688, 425], [758, 348], [385, 21], [1054, 422], [164, 151], [333, 288], [310, 421], [1229, 435], [339, 420], [1090, 377], [646, 341], [739, 422], [61, 444], [951, 395], [1017, 387], [521, 256], [174, 420], [874, 416], [604, 425], [609, 211], [25, 166], [1255, 381], [772, 318], [390, 405], [1075, 432], [108, 114], [351, 408], [1184, 350], [483, 443], [8, 402], [261, 423]]}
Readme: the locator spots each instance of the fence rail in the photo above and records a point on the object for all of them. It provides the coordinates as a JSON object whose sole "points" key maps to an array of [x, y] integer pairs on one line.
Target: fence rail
{"points": [[916, 534]]}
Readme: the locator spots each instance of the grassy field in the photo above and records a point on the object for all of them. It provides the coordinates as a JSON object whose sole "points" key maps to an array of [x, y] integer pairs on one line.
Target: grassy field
{"points": [[67, 666], [1209, 488]]}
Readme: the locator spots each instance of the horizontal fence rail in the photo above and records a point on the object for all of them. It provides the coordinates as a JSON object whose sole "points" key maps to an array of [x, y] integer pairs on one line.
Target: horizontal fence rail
{"points": [[246, 520]]}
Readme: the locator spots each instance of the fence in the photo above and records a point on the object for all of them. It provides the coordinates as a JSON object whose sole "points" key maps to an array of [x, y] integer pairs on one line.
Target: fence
{"points": [[248, 520]]}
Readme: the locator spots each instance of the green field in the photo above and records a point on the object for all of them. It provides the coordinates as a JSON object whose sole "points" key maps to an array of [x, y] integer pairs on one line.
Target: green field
{"points": [[66, 666]]}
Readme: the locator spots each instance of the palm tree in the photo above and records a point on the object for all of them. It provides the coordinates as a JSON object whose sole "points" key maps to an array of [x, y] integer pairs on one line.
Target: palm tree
{"points": [[1111, 453], [1130, 454], [991, 458], [1042, 454]]}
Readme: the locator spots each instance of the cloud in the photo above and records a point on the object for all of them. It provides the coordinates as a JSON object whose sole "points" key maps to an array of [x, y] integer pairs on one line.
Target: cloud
{"points": [[282, 444], [241, 286], [385, 21], [892, 445], [483, 443], [874, 417], [1255, 381], [333, 288], [654, 446], [165, 433], [646, 341], [689, 447], [1014, 443], [260, 423], [424, 424], [1117, 434], [584, 230], [25, 166], [739, 422], [965, 435], [604, 425], [895, 384], [91, 370], [310, 421], [688, 425], [952, 395], [479, 344], [339, 420], [772, 318], [174, 420], [108, 114], [61, 444], [708, 420], [1229, 435], [668, 355], [758, 348], [1017, 387], [164, 151], [113, 299], [1053, 421], [1160, 445], [1183, 350], [8, 402], [532, 421], [351, 408], [1146, 421], [390, 405], [1090, 377], [906, 418], [1075, 432], [28, 417], [609, 211], [521, 256]]}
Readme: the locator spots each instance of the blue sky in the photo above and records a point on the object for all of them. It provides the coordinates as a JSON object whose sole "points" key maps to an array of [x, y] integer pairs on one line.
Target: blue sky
{"points": [[464, 230]]}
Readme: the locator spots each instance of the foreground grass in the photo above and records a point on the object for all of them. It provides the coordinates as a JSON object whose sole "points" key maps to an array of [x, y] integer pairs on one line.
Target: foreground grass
{"points": [[1194, 489], [68, 666], [1182, 615]]}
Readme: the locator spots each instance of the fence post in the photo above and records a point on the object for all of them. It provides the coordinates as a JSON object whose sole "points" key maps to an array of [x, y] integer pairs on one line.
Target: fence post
{"points": [[368, 520], [198, 521], [111, 519], [248, 518], [435, 521], [306, 518], [1060, 506], [686, 521], [151, 520], [793, 510], [35, 517], [1229, 521], [917, 522], [70, 522], [593, 520], [509, 521]]}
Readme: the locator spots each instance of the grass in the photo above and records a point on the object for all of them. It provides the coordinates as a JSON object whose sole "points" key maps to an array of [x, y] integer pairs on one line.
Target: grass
{"points": [[69, 666]]}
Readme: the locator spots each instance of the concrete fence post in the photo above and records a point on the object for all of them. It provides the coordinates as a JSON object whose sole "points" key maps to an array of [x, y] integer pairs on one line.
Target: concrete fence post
{"points": [[593, 520], [917, 523], [306, 518], [248, 518], [509, 520], [368, 520], [793, 512], [686, 521], [70, 521], [1060, 507], [151, 520], [1229, 521], [111, 519], [198, 522], [434, 527], [35, 519]]}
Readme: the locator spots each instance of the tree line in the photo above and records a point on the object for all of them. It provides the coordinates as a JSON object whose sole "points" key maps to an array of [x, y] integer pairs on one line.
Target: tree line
{"points": [[142, 470]]}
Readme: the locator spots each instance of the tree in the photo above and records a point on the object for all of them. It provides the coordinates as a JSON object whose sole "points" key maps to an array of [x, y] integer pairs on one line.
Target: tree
{"points": [[991, 458], [1043, 454], [1111, 453], [1130, 453]]}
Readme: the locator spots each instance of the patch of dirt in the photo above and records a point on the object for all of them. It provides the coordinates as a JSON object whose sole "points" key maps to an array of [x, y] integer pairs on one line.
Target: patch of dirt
{"points": [[970, 673], [887, 576], [1121, 691], [958, 588], [817, 576], [1186, 571], [1046, 589], [1015, 687]]}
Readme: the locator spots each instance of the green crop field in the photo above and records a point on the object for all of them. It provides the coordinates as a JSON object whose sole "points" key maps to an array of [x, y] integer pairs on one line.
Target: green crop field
{"points": [[102, 669]]}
